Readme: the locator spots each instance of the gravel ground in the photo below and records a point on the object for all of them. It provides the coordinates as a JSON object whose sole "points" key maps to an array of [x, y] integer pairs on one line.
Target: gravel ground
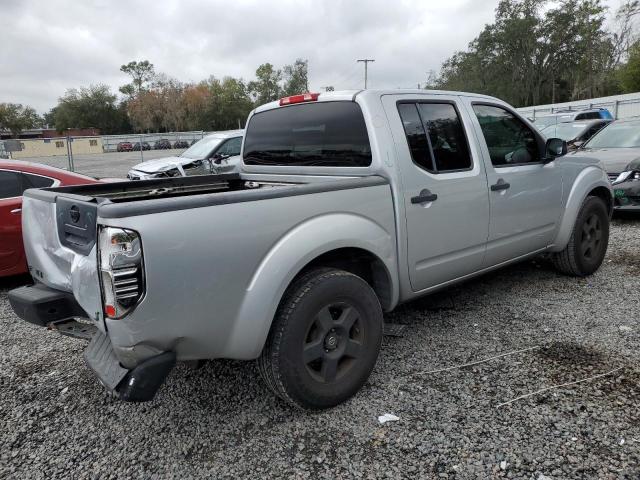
{"points": [[221, 421]]}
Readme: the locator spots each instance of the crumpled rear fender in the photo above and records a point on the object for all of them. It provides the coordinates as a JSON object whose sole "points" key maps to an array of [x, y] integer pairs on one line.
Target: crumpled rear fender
{"points": [[289, 256]]}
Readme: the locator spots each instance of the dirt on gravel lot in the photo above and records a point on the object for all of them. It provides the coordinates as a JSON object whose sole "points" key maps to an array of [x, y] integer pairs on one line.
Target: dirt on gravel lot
{"points": [[474, 421]]}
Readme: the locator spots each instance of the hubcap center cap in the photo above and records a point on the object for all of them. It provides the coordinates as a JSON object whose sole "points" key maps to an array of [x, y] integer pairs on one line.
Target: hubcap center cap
{"points": [[331, 341]]}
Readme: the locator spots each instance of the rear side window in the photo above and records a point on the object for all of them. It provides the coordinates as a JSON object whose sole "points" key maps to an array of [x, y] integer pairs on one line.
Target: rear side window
{"points": [[36, 181], [10, 184], [588, 116], [325, 134], [416, 136], [435, 136]]}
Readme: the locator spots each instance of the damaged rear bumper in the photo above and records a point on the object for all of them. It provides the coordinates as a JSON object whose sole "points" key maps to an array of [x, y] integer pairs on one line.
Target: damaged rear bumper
{"points": [[47, 307], [139, 384]]}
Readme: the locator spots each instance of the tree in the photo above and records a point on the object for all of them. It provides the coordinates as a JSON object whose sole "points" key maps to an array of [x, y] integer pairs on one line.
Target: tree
{"points": [[230, 103], [538, 51], [296, 78], [266, 88], [141, 73], [93, 106], [629, 73], [16, 118]]}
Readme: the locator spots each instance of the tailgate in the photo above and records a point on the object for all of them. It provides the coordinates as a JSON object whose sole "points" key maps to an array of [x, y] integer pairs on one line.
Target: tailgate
{"points": [[59, 234]]}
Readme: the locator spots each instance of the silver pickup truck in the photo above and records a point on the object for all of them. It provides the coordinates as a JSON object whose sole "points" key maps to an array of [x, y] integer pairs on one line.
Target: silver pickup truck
{"points": [[348, 204]]}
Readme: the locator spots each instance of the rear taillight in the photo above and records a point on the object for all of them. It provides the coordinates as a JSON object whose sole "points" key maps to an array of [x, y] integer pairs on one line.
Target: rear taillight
{"points": [[121, 270], [304, 97]]}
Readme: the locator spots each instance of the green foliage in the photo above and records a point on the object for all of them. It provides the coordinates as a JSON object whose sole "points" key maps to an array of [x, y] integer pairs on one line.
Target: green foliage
{"points": [[16, 117], [94, 106], [539, 51], [296, 78], [629, 74], [266, 88], [141, 73]]}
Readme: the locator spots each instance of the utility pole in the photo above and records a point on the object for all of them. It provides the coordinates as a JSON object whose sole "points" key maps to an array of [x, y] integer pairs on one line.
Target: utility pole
{"points": [[366, 63]]}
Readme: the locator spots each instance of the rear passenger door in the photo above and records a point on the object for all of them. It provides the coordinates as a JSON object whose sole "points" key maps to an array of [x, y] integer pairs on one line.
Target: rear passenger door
{"points": [[525, 194], [444, 188]]}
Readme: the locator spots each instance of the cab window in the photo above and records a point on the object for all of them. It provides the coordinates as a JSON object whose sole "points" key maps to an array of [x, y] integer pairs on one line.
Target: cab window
{"points": [[435, 136], [509, 141]]}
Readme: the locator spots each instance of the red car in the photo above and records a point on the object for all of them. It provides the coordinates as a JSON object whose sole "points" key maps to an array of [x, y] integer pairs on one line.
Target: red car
{"points": [[125, 147], [15, 178]]}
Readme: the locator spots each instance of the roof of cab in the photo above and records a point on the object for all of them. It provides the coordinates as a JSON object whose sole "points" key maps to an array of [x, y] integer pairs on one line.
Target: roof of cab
{"points": [[350, 95]]}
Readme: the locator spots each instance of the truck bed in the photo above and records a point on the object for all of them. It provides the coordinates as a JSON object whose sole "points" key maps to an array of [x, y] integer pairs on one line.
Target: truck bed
{"points": [[124, 199], [127, 191]]}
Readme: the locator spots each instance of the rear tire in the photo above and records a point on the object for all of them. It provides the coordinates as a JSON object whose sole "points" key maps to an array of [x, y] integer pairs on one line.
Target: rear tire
{"points": [[324, 341], [588, 243]]}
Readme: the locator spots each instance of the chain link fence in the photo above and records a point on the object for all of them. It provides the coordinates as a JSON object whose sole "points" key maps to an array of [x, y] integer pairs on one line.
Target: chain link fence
{"points": [[155, 140]]}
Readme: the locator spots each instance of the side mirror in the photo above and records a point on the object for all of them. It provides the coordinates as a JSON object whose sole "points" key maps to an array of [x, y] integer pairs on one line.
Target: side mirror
{"points": [[218, 157], [555, 147]]}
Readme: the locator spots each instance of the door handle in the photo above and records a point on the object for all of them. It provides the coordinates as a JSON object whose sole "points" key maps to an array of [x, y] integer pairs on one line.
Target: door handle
{"points": [[424, 197], [16, 211], [499, 185]]}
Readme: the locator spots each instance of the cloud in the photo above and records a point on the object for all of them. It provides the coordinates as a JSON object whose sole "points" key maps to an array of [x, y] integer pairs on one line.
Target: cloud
{"points": [[49, 47]]}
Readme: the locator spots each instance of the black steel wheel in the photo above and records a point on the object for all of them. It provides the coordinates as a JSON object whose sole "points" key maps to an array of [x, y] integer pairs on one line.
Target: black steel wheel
{"points": [[334, 342], [324, 340], [588, 243]]}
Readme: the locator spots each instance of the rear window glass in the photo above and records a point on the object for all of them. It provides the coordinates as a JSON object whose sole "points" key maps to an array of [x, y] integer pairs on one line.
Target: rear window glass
{"points": [[325, 134], [36, 181]]}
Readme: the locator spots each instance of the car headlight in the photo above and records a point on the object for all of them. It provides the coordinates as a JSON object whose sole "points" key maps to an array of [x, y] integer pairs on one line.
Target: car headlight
{"points": [[628, 175], [121, 270]]}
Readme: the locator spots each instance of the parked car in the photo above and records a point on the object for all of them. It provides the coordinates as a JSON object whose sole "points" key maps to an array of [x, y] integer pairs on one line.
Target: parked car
{"points": [[348, 203], [124, 147], [15, 177], [145, 146], [575, 133], [544, 121], [162, 144], [181, 144], [216, 153], [618, 147]]}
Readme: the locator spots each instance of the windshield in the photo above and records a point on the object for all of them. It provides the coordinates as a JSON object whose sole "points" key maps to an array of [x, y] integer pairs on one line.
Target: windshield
{"points": [[564, 131], [542, 122], [326, 134], [617, 135], [202, 148]]}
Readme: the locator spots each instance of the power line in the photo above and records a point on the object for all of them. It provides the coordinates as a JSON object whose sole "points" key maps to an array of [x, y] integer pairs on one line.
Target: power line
{"points": [[344, 80], [366, 63]]}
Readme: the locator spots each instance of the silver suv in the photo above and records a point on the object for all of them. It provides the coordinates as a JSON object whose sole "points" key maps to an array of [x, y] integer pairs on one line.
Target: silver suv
{"points": [[216, 153]]}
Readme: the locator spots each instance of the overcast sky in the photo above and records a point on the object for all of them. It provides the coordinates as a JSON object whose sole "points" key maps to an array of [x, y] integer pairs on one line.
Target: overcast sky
{"points": [[49, 46]]}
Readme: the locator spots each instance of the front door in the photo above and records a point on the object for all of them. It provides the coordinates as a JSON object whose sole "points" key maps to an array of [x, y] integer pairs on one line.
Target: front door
{"points": [[525, 193], [444, 187]]}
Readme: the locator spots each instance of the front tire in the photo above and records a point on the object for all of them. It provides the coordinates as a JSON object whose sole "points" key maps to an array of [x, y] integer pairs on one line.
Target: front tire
{"points": [[324, 341], [588, 243]]}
